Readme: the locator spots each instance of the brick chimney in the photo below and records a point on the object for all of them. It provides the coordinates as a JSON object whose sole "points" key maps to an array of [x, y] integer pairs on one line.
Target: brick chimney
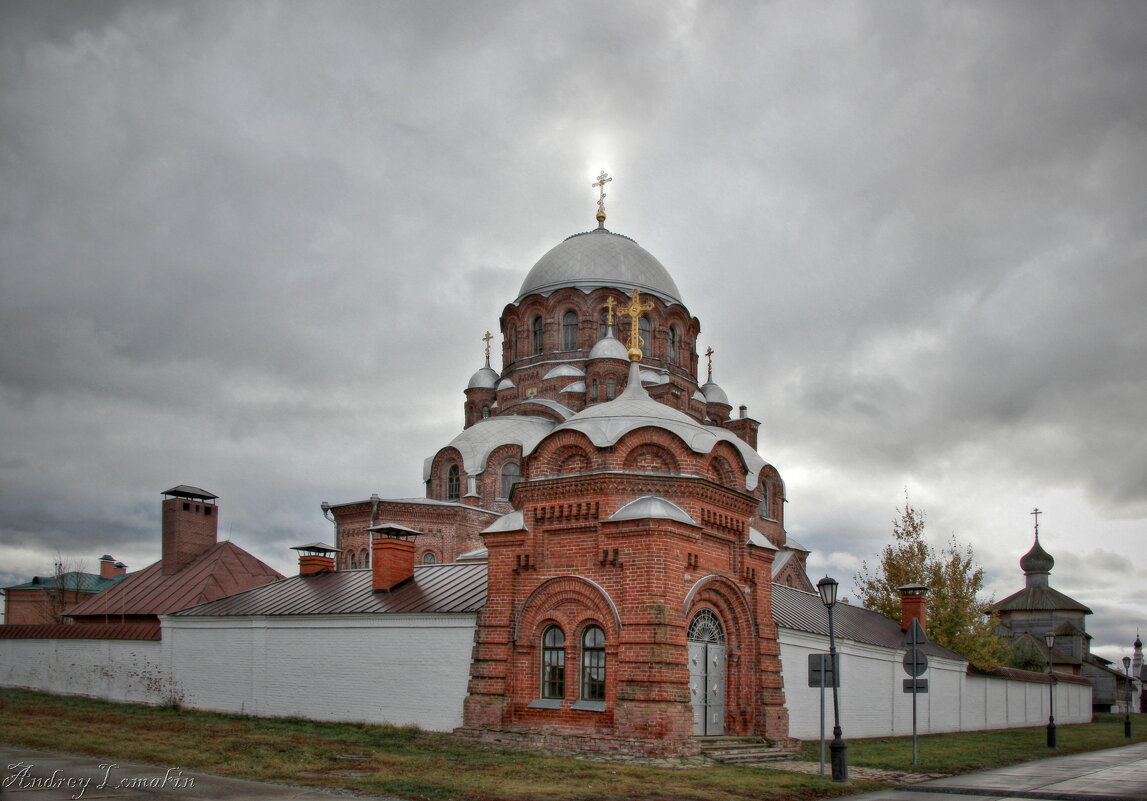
{"points": [[190, 526], [913, 606], [391, 556], [316, 558], [109, 567]]}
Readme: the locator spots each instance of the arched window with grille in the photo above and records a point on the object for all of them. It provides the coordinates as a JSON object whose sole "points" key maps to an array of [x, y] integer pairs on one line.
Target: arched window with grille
{"points": [[593, 390], [643, 329], [673, 337], [553, 663], [353, 561], [453, 483], [511, 475], [364, 558], [569, 331], [610, 388], [536, 336], [593, 664], [429, 558]]}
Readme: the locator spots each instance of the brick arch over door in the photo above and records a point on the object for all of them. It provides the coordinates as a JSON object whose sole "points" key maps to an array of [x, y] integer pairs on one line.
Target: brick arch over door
{"points": [[726, 600]]}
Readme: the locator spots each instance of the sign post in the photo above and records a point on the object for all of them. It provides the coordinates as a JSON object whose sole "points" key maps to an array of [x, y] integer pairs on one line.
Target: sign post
{"points": [[915, 663], [821, 674]]}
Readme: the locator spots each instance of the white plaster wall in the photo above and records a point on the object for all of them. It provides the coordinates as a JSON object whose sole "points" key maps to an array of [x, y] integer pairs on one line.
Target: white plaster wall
{"points": [[115, 670], [873, 703], [396, 669]]}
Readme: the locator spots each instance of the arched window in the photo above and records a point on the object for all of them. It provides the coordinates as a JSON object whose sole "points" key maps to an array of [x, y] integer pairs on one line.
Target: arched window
{"points": [[453, 484], [353, 561], [511, 475], [593, 390], [485, 412], [429, 558], [672, 354], [536, 341], [602, 325], [593, 664], [513, 343], [643, 329], [764, 509], [364, 558], [569, 331], [553, 663], [610, 388]]}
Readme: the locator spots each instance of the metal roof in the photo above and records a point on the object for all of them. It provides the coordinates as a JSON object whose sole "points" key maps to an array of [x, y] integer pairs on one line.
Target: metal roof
{"points": [[804, 611], [444, 588], [186, 491], [224, 569], [600, 258], [72, 581]]}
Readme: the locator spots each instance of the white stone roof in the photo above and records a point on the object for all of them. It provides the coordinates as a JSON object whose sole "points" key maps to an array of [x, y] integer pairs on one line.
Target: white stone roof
{"points": [[714, 394], [485, 378], [605, 423], [576, 386], [652, 506], [478, 441], [609, 347], [600, 258], [564, 370]]}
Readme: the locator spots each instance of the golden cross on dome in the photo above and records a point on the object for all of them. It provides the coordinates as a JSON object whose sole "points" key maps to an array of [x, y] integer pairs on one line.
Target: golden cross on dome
{"points": [[635, 309], [602, 180], [709, 356], [1036, 513], [487, 339], [609, 304]]}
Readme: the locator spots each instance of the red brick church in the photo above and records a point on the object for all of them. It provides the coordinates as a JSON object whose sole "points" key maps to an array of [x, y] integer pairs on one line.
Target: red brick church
{"points": [[632, 531]]}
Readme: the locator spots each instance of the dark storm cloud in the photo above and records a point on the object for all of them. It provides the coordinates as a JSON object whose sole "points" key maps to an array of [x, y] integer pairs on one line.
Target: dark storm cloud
{"points": [[253, 247]]}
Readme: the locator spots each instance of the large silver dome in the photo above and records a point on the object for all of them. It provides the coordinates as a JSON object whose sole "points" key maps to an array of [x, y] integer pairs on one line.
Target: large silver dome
{"points": [[600, 258]]}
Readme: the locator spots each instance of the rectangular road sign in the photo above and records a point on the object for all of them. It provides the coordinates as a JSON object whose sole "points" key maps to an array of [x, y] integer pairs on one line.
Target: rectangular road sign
{"points": [[921, 685], [818, 663]]}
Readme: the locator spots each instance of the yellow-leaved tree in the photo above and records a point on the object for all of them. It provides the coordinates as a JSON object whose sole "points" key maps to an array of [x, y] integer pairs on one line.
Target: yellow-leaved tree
{"points": [[957, 617]]}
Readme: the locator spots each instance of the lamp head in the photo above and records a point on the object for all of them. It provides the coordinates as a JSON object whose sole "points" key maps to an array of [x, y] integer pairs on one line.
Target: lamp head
{"points": [[827, 588], [1126, 663], [1049, 639]]}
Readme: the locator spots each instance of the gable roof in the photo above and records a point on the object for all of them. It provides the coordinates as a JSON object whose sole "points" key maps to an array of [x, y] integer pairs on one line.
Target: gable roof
{"points": [[442, 588], [803, 611], [222, 570]]}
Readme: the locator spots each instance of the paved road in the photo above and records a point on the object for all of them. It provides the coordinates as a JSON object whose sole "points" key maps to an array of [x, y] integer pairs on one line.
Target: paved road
{"points": [[46, 776], [1117, 774]]}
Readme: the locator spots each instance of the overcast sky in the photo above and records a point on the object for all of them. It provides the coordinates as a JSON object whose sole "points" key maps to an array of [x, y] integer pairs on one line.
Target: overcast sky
{"points": [[254, 246]]}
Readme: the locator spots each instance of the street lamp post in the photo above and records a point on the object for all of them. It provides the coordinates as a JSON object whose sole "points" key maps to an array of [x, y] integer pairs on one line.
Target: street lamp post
{"points": [[1127, 708], [827, 588], [1049, 639]]}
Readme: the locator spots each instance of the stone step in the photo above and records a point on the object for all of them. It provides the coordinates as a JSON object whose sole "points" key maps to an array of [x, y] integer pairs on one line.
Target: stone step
{"points": [[742, 750]]}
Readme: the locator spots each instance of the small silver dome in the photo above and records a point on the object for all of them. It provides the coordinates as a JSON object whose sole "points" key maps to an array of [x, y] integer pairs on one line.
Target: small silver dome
{"points": [[486, 378], [608, 347], [714, 394], [652, 506], [600, 258], [505, 383], [567, 370]]}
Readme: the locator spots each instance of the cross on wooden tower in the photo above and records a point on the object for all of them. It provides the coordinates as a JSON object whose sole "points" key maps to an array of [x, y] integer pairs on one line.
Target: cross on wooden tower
{"points": [[634, 310], [602, 180], [709, 356], [487, 339], [1036, 513]]}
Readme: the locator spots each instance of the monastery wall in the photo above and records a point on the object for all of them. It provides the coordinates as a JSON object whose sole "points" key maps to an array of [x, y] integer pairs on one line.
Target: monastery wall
{"points": [[955, 701], [399, 669], [114, 670]]}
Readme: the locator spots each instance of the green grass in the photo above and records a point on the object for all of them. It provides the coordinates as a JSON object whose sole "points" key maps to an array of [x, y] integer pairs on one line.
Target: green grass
{"points": [[410, 763], [960, 753], [402, 761]]}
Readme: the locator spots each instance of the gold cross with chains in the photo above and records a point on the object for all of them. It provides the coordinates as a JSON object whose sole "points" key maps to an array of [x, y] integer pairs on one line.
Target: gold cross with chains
{"points": [[609, 304], [602, 180], [635, 309], [487, 339], [709, 356]]}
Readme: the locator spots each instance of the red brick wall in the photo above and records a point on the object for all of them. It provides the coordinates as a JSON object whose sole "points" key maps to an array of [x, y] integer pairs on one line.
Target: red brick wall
{"points": [[189, 529]]}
